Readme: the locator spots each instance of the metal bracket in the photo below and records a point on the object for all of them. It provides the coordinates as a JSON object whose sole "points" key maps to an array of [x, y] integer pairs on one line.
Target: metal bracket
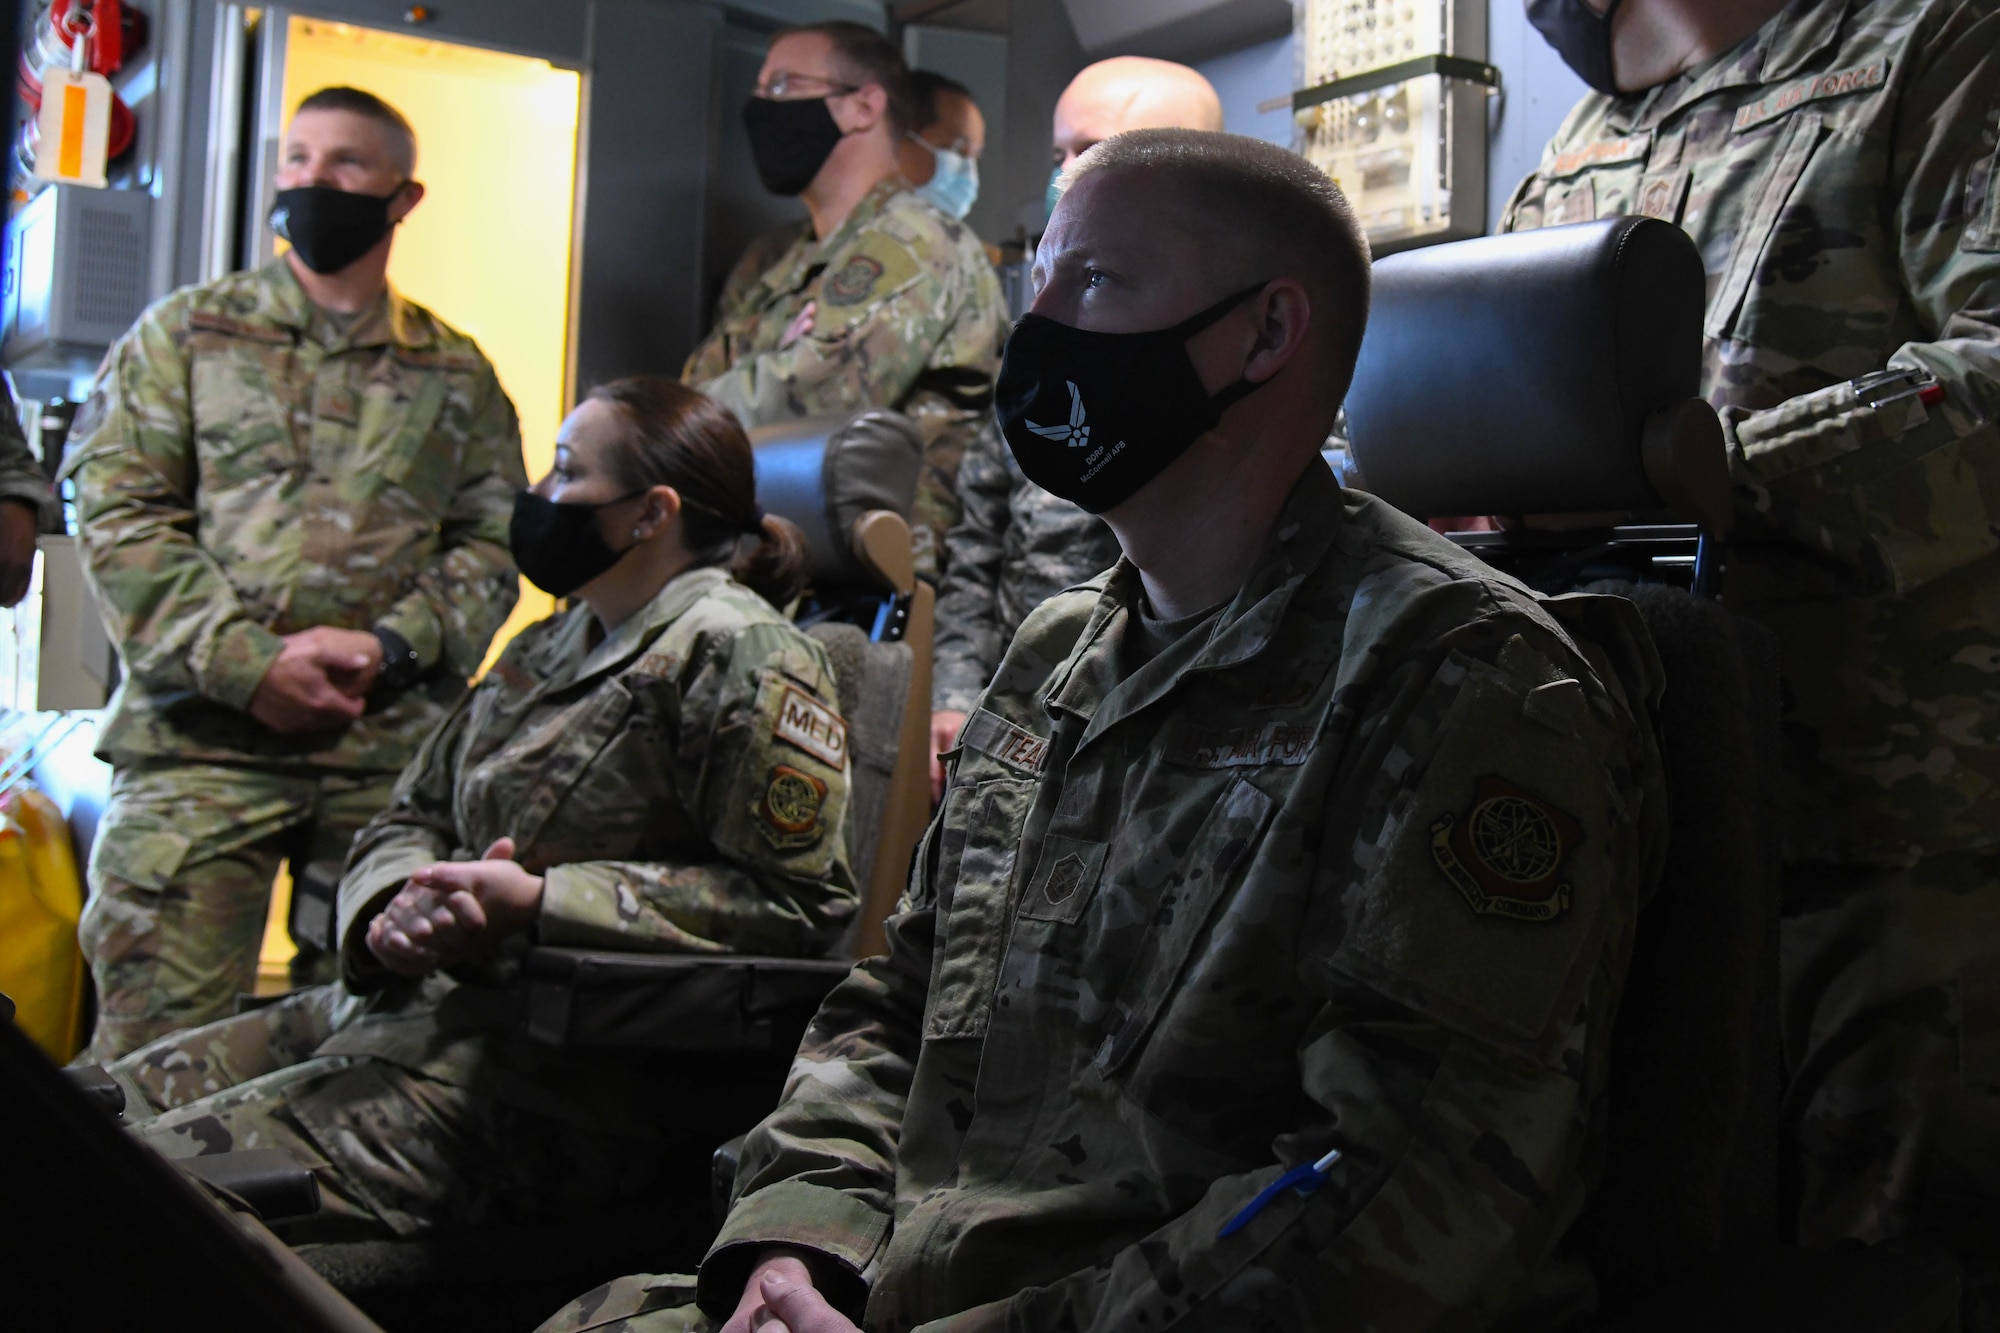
{"points": [[1450, 67]]}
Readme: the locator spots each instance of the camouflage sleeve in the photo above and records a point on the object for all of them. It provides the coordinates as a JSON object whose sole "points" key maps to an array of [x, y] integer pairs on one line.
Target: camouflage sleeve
{"points": [[1464, 1033], [463, 597], [417, 828], [761, 756], [167, 602], [21, 475], [970, 637], [821, 1170], [1907, 491], [876, 319]]}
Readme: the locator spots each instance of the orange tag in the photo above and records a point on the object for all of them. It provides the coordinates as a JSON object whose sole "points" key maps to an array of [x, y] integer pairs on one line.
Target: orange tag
{"points": [[74, 128]]}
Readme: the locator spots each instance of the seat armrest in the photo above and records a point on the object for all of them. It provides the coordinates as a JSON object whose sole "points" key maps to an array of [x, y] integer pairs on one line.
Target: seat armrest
{"points": [[269, 1181], [603, 999], [96, 1083], [722, 1176]]}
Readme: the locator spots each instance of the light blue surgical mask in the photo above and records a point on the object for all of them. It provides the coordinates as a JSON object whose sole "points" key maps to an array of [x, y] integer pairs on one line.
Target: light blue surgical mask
{"points": [[1055, 192], [954, 182]]}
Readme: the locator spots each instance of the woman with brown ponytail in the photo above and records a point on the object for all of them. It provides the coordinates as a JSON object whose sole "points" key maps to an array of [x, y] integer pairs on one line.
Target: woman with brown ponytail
{"points": [[660, 767]]}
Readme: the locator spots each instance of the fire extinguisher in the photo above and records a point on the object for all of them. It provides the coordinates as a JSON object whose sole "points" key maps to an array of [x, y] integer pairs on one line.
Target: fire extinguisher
{"points": [[110, 31]]}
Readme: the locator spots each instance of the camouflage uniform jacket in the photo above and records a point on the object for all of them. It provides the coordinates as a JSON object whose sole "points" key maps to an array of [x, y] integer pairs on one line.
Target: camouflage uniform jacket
{"points": [[680, 784], [247, 468], [1015, 547], [907, 314], [1355, 865], [21, 475], [1840, 173]]}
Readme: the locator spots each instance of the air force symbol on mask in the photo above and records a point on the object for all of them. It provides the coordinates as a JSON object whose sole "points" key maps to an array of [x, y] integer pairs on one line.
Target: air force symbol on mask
{"points": [[1077, 433]]}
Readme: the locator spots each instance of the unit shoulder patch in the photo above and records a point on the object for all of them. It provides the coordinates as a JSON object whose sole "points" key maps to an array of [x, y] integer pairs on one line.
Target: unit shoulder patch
{"points": [[854, 281], [788, 814], [809, 725], [1505, 854]]}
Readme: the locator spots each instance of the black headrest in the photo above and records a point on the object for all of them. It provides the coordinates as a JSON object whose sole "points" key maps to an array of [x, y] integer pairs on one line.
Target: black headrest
{"points": [[825, 472], [1544, 372]]}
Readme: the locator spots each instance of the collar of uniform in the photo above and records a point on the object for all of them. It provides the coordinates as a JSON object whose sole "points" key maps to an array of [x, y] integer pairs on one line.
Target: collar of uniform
{"points": [[669, 604], [865, 212], [1307, 528], [390, 321], [1786, 42]]}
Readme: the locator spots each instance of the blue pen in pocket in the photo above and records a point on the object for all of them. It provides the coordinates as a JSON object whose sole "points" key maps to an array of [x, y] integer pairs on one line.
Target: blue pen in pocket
{"points": [[1304, 1179]]}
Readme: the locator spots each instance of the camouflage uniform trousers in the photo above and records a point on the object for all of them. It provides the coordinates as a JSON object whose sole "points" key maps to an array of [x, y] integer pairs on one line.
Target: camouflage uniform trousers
{"points": [[180, 883], [641, 1303], [1892, 1034], [396, 1154]]}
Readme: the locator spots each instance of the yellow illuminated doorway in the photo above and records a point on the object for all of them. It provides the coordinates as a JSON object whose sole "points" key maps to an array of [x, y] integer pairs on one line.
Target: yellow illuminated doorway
{"points": [[488, 249]]}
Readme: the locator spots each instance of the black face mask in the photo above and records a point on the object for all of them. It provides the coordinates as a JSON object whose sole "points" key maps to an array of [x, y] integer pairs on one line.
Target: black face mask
{"points": [[557, 546], [789, 141], [1092, 417], [330, 228], [1581, 38]]}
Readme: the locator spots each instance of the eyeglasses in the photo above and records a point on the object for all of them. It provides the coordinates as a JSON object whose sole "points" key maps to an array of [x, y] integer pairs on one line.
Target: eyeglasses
{"points": [[785, 86]]}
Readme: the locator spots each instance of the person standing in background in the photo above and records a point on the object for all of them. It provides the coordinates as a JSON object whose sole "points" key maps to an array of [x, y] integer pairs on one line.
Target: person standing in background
{"points": [[1836, 165], [940, 153], [24, 495], [876, 298], [293, 491]]}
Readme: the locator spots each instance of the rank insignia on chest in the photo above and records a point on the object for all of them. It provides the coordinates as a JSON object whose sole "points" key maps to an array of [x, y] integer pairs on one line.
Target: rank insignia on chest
{"points": [[789, 813], [1505, 853], [852, 281]]}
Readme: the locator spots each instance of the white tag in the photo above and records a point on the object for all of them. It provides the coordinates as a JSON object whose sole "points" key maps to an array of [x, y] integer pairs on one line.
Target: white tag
{"points": [[74, 128], [813, 727]]}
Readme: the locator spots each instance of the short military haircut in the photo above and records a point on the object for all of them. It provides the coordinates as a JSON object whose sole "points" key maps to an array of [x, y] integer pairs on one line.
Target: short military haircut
{"points": [[1262, 212], [925, 85], [342, 98], [865, 56]]}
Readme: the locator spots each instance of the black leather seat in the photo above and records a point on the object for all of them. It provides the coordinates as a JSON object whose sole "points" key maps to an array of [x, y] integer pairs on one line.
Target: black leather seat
{"points": [[1552, 376]]}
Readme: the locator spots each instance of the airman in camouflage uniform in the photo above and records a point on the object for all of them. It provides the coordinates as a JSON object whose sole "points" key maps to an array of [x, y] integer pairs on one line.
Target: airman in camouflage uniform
{"points": [[1264, 907], [22, 481], [1015, 547], [1838, 170], [250, 466], [662, 782], [906, 313]]}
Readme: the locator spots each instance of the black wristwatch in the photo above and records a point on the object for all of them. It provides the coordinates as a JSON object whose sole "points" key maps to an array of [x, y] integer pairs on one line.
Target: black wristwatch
{"points": [[401, 667]]}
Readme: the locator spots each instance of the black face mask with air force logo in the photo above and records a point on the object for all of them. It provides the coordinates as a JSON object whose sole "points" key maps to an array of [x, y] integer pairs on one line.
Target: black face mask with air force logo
{"points": [[1092, 417]]}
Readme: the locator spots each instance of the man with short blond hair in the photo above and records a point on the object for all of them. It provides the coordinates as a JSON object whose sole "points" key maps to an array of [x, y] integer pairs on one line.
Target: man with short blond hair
{"points": [[1220, 997], [1015, 544], [293, 490]]}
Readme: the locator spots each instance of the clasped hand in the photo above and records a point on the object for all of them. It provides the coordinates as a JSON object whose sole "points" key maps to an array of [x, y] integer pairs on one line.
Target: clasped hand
{"points": [[319, 682], [780, 1298], [452, 911]]}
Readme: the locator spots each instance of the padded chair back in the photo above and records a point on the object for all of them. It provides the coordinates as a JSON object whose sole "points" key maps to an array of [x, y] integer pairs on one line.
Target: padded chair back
{"points": [[1543, 372], [874, 683], [1692, 1125], [1555, 373], [825, 472]]}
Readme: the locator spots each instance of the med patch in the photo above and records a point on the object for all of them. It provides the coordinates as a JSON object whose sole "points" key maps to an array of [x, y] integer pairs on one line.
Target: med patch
{"points": [[809, 725], [1504, 854]]}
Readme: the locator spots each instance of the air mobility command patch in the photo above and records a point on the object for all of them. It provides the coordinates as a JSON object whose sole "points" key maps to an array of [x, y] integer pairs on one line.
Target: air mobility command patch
{"points": [[852, 282], [1505, 854], [788, 816]]}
